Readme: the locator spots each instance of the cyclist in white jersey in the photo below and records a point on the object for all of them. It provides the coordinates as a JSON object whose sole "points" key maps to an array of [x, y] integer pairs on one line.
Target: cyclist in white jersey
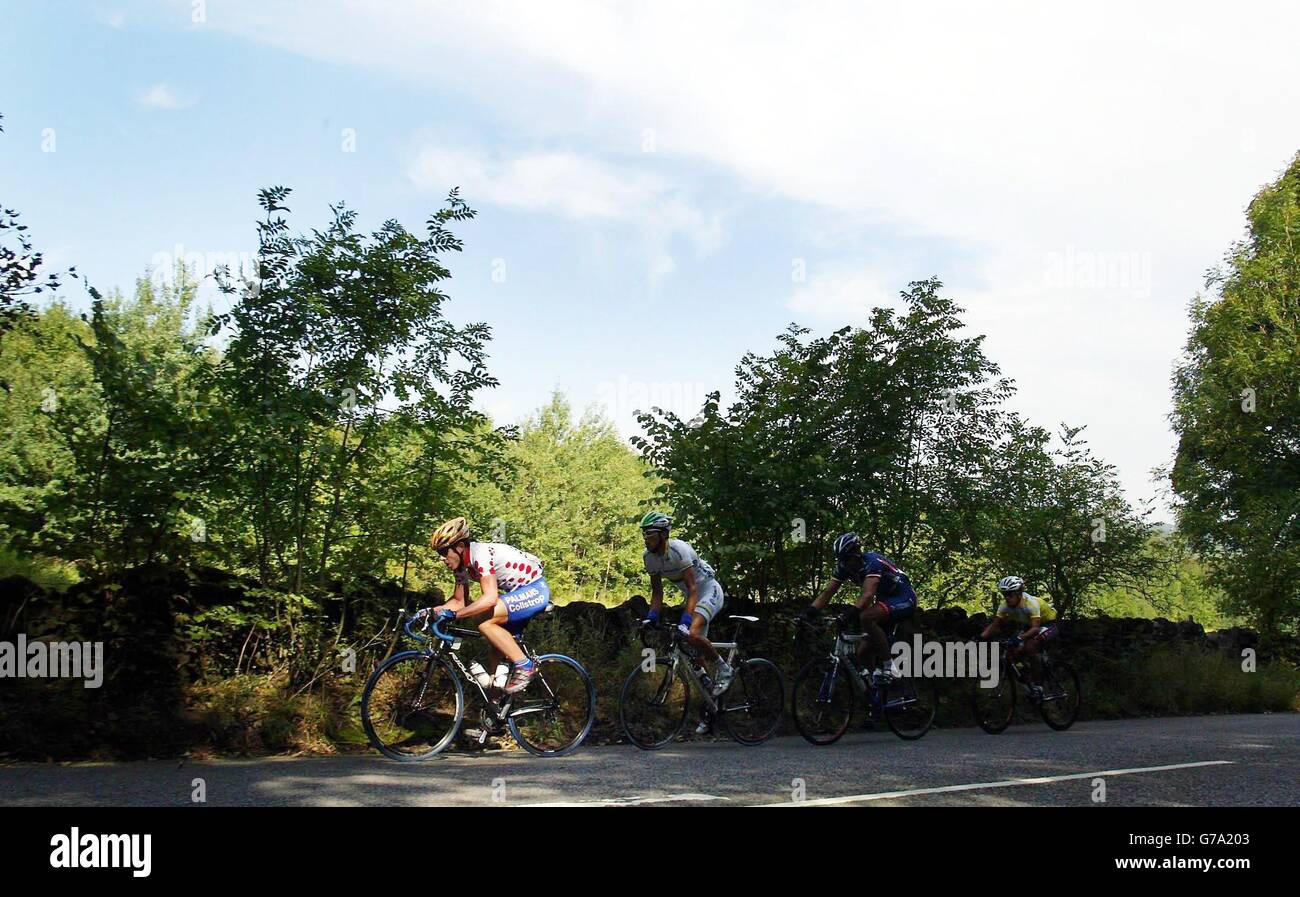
{"points": [[512, 591], [676, 561]]}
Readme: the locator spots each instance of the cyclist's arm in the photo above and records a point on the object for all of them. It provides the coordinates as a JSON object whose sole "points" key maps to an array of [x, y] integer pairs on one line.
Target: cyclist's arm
{"points": [[656, 593], [995, 625], [459, 595], [827, 594], [487, 600], [692, 590], [869, 586]]}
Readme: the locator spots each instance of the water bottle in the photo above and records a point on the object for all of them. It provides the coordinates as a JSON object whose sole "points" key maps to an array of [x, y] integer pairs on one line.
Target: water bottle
{"points": [[480, 674], [502, 674]]}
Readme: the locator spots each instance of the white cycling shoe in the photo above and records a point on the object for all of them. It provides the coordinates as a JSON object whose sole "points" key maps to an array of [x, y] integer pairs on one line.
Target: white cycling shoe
{"points": [[888, 673], [722, 678]]}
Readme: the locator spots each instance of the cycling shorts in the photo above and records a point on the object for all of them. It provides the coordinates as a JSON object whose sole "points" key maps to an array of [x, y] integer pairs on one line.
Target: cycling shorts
{"points": [[525, 602], [900, 606], [709, 602]]}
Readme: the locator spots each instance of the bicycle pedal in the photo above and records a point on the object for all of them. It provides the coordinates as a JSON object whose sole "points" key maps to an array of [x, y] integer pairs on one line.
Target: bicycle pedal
{"points": [[478, 735]]}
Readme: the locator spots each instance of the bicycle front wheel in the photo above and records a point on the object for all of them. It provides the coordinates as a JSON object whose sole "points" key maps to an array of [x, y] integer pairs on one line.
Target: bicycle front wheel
{"points": [[822, 703], [994, 707], [557, 708], [652, 708], [751, 707], [412, 706], [1062, 695]]}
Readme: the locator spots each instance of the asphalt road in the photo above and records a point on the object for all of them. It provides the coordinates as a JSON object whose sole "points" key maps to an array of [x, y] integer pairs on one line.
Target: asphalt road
{"points": [[1249, 760]]}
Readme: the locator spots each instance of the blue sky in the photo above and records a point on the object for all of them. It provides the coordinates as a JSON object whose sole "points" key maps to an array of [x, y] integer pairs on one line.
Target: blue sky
{"points": [[652, 178]]}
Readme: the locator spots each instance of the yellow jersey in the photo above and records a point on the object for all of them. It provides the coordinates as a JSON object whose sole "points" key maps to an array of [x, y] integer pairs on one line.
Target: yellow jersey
{"points": [[1028, 608]]}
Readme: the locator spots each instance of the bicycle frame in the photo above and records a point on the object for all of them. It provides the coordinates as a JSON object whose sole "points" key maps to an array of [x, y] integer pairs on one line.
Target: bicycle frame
{"points": [[448, 648], [1013, 669], [845, 651], [679, 654]]}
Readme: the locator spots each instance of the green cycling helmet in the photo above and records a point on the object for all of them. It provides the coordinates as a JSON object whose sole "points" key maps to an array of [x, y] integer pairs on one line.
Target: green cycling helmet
{"points": [[656, 520]]}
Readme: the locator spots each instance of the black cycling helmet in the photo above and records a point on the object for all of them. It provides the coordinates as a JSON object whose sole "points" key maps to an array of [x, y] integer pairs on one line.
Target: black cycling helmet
{"points": [[848, 545]]}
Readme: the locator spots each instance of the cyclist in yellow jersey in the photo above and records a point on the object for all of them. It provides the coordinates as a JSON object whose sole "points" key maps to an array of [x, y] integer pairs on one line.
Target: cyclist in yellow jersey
{"points": [[1034, 617]]}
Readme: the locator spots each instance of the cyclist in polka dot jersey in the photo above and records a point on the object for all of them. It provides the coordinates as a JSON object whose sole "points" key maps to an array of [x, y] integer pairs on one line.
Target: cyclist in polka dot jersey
{"points": [[512, 591]]}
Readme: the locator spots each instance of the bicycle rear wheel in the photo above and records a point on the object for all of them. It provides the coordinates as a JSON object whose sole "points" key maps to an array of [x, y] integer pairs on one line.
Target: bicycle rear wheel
{"points": [[909, 706], [653, 706], [554, 714], [822, 702], [412, 706], [751, 707], [994, 707], [1062, 695]]}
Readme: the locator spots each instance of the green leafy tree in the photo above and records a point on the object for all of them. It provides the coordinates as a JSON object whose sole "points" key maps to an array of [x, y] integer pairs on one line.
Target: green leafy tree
{"points": [[338, 351], [570, 495], [49, 414], [885, 429], [107, 431], [1188, 593], [1236, 473], [1064, 524]]}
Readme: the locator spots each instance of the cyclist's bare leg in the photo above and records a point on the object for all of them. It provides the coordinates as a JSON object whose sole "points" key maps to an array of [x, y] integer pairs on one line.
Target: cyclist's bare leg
{"points": [[1032, 647], [872, 618], [699, 642], [501, 641]]}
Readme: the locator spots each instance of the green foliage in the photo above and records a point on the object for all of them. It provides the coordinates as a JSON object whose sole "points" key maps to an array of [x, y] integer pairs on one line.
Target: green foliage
{"points": [[897, 431], [570, 495], [1188, 593], [1186, 679], [108, 436], [49, 413], [51, 574], [1064, 524], [1237, 415], [348, 396]]}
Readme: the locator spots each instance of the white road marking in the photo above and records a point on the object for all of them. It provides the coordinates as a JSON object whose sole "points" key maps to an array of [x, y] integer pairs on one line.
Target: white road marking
{"points": [[625, 801], [976, 786]]}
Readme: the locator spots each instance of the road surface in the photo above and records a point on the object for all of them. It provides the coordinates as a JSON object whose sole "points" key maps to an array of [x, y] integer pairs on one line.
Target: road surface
{"points": [[1248, 760]]}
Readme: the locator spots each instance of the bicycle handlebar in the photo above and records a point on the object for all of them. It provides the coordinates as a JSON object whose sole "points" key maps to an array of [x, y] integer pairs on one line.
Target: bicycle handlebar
{"points": [[656, 626], [437, 630], [422, 617]]}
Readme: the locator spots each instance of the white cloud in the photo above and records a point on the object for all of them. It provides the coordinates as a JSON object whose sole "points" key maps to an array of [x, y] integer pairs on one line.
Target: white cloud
{"points": [[844, 299], [1015, 133], [581, 188], [160, 96]]}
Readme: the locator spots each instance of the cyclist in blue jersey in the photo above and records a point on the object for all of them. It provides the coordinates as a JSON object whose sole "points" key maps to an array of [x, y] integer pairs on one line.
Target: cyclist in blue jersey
{"points": [[887, 595]]}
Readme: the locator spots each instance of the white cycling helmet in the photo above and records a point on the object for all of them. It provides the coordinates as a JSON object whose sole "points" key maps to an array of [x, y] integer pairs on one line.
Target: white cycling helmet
{"points": [[1011, 584]]}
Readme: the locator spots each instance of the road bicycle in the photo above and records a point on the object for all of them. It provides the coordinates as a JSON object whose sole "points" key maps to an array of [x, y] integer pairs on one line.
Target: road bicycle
{"points": [[1058, 697], [829, 688], [656, 699], [414, 702]]}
